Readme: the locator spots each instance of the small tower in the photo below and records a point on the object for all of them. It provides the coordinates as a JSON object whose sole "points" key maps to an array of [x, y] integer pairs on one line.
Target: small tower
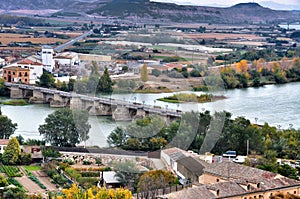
{"points": [[47, 58]]}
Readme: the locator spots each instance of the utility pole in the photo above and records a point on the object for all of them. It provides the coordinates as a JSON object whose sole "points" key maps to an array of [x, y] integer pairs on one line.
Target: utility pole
{"points": [[247, 147]]}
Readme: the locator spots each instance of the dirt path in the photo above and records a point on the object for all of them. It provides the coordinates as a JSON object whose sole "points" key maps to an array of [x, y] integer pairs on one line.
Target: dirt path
{"points": [[42, 176], [29, 185]]}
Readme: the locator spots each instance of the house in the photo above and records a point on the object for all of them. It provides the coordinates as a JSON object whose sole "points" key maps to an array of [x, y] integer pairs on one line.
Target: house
{"points": [[235, 181], [16, 74], [190, 169], [67, 59], [2, 62], [35, 151], [171, 156], [36, 69], [110, 180], [3, 144]]}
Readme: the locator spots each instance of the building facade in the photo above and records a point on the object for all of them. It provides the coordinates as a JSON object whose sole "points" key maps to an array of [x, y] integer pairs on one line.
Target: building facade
{"points": [[16, 74]]}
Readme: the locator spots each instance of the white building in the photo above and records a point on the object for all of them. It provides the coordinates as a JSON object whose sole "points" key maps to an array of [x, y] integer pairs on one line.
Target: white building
{"points": [[3, 144], [67, 59], [36, 69], [2, 62], [47, 58]]}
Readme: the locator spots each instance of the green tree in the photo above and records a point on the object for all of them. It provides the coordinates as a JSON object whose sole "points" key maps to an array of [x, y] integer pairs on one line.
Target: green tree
{"points": [[12, 152], [7, 128], [66, 127], [144, 73], [46, 80], [3, 181], [127, 173], [117, 138], [3, 90], [105, 83]]}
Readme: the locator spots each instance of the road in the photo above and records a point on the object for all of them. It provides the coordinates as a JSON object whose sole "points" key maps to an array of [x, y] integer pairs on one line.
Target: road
{"points": [[71, 42]]}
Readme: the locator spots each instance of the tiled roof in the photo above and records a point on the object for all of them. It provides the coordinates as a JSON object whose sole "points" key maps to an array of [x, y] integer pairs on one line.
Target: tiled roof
{"points": [[237, 171], [16, 68], [193, 165], [191, 193], [4, 141], [29, 62], [226, 189]]}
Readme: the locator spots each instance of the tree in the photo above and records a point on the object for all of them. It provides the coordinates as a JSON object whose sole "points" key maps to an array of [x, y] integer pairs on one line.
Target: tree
{"points": [[12, 152], [66, 127], [105, 83], [46, 80], [95, 192], [7, 128], [117, 138], [127, 173], [3, 91], [144, 73], [150, 182]]}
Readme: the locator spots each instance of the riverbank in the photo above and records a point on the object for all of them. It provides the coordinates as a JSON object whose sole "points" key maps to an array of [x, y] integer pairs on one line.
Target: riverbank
{"points": [[15, 102]]}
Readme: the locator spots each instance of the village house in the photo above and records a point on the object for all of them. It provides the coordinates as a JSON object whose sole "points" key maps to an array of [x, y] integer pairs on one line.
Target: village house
{"points": [[16, 74], [235, 181], [36, 69], [3, 144]]}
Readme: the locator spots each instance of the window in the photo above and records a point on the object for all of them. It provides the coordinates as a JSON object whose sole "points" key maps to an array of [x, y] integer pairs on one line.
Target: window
{"points": [[218, 180], [5, 71], [218, 192], [20, 74], [258, 185], [8, 72], [295, 192], [5, 78], [248, 187], [25, 80], [31, 68], [26, 74], [25, 66]]}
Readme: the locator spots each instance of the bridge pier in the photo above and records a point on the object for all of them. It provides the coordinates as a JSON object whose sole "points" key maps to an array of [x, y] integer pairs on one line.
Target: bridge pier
{"points": [[101, 109], [58, 101], [121, 113], [16, 92], [38, 97], [76, 103], [140, 114]]}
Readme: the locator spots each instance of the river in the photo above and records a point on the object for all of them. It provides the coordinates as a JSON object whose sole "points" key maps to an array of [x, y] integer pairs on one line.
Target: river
{"points": [[275, 104]]}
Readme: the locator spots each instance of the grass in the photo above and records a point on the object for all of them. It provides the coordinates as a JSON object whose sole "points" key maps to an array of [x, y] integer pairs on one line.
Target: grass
{"points": [[33, 168], [184, 97], [15, 102]]}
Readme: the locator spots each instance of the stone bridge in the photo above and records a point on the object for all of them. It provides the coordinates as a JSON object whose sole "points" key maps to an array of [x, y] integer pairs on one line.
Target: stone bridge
{"points": [[97, 106]]}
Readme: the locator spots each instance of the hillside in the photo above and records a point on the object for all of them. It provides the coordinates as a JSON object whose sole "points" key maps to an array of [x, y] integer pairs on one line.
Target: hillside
{"points": [[144, 9]]}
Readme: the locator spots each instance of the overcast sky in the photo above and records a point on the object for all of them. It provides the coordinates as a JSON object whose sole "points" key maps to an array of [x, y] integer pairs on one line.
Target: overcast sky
{"points": [[274, 4]]}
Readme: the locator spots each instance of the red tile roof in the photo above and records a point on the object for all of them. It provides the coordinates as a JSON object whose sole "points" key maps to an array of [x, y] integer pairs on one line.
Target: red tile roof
{"points": [[4, 141], [29, 62]]}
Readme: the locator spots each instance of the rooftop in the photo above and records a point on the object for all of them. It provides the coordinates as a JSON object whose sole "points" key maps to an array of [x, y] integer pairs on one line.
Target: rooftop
{"points": [[193, 165], [16, 68], [29, 62], [4, 141]]}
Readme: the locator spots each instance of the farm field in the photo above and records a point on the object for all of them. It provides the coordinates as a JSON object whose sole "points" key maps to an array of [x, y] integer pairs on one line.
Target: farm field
{"points": [[7, 38]]}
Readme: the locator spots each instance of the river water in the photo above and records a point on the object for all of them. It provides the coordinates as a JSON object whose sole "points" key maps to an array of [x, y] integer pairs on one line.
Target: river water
{"points": [[275, 104]]}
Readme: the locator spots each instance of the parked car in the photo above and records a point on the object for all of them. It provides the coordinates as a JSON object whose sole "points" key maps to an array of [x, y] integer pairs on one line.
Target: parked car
{"points": [[229, 154], [239, 159]]}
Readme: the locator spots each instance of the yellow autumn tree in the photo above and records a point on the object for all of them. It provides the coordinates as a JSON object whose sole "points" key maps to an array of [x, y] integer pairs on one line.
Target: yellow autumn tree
{"points": [[296, 63], [242, 66], [94, 193], [260, 64], [144, 73]]}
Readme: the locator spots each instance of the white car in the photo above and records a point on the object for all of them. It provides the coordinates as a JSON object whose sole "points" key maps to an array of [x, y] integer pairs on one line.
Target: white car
{"points": [[239, 159]]}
